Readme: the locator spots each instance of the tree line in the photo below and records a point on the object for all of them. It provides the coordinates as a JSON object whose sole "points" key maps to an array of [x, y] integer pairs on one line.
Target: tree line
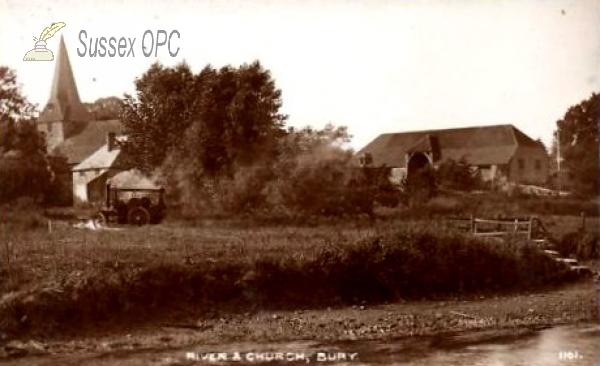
{"points": [[219, 142]]}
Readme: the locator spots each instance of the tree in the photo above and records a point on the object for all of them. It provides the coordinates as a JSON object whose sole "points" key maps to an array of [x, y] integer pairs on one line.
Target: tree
{"points": [[105, 108], [13, 105], [314, 176], [211, 122], [312, 171], [579, 140], [155, 120], [308, 139], [238, 123], [197, 129], [24, 167], [312, 145]]}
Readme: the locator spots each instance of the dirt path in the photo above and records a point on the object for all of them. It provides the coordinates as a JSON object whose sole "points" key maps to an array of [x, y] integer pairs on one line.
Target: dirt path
{"points": [[576, 303]]}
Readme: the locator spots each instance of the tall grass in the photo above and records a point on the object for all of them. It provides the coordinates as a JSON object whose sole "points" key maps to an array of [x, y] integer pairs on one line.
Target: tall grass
{"points": [[582, 245], [494, 204]]}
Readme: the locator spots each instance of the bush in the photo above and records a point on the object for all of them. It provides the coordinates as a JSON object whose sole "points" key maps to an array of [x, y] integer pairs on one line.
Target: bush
{"points": [[584, 246], [458, 175], [321, 183], [59, 191], [312, 176], [316, 185], [419, 187], [494, 205], [22, 214], [247, 192], [559, 206], [406, 264], [24, 167]]}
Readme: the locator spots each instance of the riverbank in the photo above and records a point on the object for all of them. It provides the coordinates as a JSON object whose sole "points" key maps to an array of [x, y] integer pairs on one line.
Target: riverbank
{"points": [[72, 281], [570, 304]]}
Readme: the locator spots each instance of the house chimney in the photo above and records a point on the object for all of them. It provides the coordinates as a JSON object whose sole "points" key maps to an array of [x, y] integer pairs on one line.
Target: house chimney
{"points": [[111, 141]]}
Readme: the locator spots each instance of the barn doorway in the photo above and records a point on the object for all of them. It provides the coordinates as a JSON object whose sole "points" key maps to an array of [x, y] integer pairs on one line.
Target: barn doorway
{"points": [[417, 162], [420, 180]]}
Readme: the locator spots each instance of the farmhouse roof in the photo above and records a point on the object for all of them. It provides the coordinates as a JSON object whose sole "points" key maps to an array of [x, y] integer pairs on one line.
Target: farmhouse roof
{"points": [[103, 158], [482, 145], [64, 103], [87, 139]]}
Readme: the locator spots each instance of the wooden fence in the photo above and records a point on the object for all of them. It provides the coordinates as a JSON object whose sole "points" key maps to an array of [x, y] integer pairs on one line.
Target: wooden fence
{"points": [[498, 227]]}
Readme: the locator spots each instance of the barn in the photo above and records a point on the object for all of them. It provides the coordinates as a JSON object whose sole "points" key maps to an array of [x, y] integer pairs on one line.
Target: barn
{"points": [[501, 153]]}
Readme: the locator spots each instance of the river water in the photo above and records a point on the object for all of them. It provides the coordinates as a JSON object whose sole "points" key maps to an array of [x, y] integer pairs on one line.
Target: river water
{"points": [[568, 345], [549, 347]]}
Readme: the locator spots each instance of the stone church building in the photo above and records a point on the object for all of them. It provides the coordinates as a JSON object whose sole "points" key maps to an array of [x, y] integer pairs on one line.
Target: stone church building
{"points": [[90, 148]]}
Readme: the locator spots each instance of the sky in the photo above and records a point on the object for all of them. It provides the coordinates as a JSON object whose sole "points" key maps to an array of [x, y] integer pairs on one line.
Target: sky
{"points": [[374, 66]]}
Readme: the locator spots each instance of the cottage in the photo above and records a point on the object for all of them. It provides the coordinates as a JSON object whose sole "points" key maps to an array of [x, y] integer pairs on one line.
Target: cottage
{"points": [[501, 152], [91, 175]]}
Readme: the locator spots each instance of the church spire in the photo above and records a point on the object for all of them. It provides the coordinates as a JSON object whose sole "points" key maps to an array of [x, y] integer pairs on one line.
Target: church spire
{"points": [[64, 104]]}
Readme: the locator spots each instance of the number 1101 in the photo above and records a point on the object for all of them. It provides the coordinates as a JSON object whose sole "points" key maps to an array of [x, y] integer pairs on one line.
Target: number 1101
{"points": [[569, 355]]}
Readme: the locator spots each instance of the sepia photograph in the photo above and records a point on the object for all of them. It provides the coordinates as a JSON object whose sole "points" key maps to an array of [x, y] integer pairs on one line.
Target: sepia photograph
{"points": [[292, 182]]}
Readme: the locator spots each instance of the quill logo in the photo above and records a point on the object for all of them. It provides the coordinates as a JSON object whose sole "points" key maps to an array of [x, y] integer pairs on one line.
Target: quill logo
{"points": [[40, 52]]}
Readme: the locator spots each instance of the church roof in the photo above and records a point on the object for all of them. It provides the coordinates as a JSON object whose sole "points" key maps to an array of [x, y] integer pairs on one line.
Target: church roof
{"points": [[64, 103]]}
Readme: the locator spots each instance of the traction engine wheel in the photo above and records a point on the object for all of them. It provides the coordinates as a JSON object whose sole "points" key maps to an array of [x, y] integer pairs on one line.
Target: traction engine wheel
{"points": [[138, 216]]}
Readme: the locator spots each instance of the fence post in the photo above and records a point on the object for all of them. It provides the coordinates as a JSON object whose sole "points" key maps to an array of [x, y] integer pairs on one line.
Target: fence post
{"points": [[529, 229], [473, 229], [516, 226]]}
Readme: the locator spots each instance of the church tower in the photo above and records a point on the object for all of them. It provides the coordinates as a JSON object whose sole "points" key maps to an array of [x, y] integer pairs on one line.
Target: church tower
{"points": [[64, 111]]}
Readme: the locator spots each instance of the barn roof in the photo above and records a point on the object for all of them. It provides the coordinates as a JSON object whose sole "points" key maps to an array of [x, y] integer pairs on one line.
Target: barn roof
{"points": [[481, 145], [86, 139]]}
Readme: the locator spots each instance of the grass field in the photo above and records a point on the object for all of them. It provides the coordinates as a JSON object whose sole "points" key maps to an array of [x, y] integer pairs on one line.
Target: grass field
{"points": [[34, 255]]}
